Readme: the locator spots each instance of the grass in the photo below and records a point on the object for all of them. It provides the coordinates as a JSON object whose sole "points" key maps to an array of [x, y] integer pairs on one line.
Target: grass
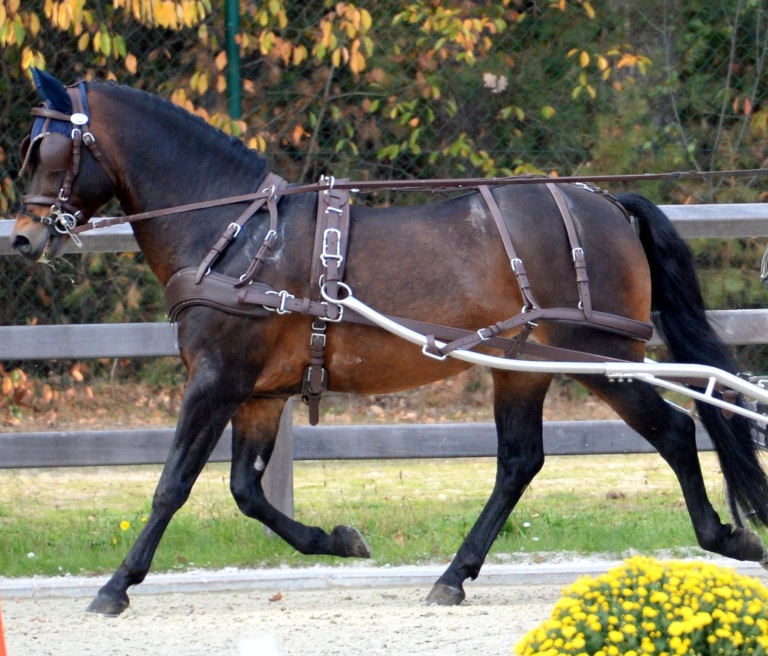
{"points": [[410, 512]]}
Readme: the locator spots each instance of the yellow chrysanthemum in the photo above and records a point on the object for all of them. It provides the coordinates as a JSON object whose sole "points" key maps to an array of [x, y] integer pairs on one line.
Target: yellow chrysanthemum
{"points": [[698, 608]]}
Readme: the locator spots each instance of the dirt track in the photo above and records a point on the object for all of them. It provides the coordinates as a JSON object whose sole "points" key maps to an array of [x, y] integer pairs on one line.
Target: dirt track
{"points": [[318, 622]]}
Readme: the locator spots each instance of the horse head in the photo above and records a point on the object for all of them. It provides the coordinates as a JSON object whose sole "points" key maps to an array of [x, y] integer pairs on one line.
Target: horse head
{"points": [[69, 176]]}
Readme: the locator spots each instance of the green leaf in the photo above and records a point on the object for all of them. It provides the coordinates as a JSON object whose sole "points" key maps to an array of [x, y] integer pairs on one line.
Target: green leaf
{"points": [[20, 33], [106, 44], [120, 46]]}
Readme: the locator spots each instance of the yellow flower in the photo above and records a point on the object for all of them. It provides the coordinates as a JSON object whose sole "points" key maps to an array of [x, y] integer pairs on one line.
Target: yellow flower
{"points": [[569, 631], [125, 525], [615, 636], [675, 629], [649, 612]]}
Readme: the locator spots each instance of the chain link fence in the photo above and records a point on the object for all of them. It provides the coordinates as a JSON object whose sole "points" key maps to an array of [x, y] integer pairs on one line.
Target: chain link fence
{"points": [[640, 87]]}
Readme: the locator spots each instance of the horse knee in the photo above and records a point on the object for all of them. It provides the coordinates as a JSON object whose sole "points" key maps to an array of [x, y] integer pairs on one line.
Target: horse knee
{"points": [[169, 499]]}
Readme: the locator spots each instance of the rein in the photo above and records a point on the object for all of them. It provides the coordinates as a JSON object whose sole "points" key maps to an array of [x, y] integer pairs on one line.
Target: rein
{"points": [[435, 185], [61, 151]]}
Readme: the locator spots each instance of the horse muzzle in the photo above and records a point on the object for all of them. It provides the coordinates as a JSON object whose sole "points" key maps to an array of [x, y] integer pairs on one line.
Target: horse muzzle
{"points": [[35, 241]]}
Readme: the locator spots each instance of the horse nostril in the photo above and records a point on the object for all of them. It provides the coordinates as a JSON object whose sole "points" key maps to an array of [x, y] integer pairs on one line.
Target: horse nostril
{"points": [[21, 244]]}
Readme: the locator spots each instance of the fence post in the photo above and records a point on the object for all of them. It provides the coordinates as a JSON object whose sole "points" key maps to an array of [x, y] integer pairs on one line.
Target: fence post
{"points": [[234, 82], [278, 477]]}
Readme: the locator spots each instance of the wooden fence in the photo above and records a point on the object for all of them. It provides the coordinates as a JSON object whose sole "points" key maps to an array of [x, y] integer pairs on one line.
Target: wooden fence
{"points": [[325, 442]]}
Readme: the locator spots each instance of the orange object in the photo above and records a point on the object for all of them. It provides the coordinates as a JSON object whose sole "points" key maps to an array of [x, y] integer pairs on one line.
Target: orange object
{"points": [[2, 637]]}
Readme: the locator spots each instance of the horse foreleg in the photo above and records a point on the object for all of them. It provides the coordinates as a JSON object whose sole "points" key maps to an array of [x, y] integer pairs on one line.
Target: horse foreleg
{"points": [[673, 435], [207, 407], [518, 406], [254, 429]]}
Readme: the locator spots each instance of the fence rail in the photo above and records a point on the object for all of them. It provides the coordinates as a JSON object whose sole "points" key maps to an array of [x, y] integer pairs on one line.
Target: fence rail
{"points": [[353, 442], [127, 447], [384, 441]]}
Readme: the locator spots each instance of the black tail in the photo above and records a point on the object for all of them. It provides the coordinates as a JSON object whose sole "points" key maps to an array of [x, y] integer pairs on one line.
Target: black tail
{"points": [[679, 317]]}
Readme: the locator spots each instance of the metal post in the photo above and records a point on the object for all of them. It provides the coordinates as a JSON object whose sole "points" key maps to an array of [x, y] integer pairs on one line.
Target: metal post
{"points": [[234, 83]]}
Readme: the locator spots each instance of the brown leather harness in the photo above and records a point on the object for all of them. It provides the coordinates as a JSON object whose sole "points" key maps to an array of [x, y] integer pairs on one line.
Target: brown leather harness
{"points": [[248, 297], [200, 286]]}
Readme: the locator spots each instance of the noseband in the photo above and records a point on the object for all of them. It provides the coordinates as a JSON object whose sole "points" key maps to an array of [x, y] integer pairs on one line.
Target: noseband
{"points": [[61, 137]]}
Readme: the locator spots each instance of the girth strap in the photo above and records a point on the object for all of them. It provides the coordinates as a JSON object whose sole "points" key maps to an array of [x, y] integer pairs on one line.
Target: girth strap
{"points": [[329, 256]]}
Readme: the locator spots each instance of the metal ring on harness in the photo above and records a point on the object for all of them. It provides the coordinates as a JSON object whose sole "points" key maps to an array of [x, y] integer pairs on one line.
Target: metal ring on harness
{"points": [[343, 285], [63, 222]]}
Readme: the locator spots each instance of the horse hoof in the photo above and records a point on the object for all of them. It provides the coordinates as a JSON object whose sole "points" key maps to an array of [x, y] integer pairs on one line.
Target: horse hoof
{"points": [[445, 595], [751, 546], [350, 543], [108, 605]]}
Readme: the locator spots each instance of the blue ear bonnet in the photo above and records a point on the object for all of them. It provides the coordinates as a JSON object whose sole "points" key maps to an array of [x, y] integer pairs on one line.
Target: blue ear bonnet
{"points": [[62, 127]]}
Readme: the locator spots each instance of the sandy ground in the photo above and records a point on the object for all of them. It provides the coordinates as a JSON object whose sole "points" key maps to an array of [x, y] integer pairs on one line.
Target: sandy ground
{"points": [[317, 622]]}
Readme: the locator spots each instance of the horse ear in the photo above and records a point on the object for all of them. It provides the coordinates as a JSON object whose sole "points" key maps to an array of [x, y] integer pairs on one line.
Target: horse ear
{"points": [[52, 90]]}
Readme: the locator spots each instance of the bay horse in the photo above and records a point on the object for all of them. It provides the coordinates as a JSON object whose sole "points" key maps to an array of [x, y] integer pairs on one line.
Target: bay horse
{"points": [[439, 262]]}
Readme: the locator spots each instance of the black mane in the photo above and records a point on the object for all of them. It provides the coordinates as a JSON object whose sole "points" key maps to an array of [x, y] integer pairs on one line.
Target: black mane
{"points": [[234, 148]]}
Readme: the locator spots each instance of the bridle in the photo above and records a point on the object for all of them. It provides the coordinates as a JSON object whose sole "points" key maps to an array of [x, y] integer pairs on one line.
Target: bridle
{"points": [[59, 151]]}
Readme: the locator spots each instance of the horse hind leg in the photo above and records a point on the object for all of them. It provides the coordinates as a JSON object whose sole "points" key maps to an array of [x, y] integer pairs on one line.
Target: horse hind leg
{"points": [[673, 435], [254, 431], [518, 407]]}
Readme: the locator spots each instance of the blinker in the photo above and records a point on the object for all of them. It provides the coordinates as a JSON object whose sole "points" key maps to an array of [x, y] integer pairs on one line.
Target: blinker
{"points": [[55, 152], [25, 148]]}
